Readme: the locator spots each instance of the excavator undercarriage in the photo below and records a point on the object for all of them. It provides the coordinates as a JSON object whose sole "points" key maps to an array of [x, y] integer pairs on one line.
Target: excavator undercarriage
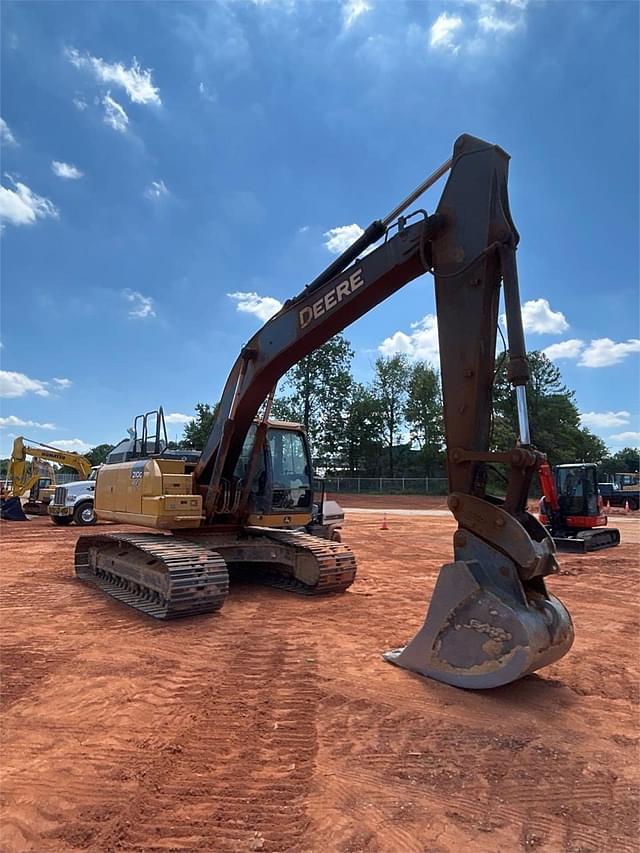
{"points": [[169, 576]]}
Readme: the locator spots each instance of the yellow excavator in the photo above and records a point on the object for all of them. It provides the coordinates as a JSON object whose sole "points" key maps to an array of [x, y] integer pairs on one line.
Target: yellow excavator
{"points": [[24, 475], [246, 502]]}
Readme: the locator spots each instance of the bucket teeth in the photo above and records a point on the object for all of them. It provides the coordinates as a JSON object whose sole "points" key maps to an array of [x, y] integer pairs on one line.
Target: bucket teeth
{"points": [[484, 628]]}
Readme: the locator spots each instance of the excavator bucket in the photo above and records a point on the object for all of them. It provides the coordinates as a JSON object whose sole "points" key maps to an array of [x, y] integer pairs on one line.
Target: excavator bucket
{"points": [[11, 510], [484, 627]]}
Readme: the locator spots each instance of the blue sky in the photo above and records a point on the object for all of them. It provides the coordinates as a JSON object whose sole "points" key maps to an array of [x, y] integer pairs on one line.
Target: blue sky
{"points": [[158, 157]]}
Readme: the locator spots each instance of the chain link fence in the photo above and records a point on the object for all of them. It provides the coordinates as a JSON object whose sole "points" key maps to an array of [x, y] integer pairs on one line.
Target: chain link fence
{"points": [[387, 485]]}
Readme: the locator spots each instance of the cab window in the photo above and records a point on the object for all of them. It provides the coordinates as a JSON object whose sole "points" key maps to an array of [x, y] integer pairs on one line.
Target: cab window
{"points": [[290, 467]]}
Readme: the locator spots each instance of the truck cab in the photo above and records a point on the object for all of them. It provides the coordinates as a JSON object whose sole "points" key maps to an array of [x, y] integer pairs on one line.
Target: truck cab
{"points": [[74, 502]]}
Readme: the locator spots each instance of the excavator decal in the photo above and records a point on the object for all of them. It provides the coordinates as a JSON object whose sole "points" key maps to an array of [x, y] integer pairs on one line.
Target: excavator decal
{"points": [[331, 299]]}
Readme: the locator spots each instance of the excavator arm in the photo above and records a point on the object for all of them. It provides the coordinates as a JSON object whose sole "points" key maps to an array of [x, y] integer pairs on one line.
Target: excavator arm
{"points": [[491, 619]]}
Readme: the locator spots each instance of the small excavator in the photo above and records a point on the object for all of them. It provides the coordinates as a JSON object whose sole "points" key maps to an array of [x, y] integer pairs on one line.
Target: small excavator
{"points": [[571, 508], [246, 500], [24, 475]]}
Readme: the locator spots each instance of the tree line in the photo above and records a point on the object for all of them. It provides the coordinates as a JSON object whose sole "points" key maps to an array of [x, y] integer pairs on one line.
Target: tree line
{"points": [[392, 426]]}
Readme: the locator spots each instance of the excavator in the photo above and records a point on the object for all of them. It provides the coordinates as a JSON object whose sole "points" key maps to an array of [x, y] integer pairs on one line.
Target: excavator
{"points": [[24, 476], [246, 500], [571, 508]]}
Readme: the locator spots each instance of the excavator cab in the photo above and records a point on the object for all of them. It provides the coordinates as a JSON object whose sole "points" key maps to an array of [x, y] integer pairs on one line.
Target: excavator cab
{"points": [[282, 480], [577, 487]]}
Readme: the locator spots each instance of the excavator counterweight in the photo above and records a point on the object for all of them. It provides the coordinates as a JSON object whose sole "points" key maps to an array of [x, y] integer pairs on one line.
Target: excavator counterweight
{"points": [[246, 501]]}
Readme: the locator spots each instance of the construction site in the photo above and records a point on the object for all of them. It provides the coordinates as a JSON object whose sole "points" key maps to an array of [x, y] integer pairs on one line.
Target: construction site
{"points": [[379, 598], [276, 725]]}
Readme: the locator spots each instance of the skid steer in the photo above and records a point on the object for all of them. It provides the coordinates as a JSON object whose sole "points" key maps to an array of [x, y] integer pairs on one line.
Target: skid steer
{"points": [[247, 501]]}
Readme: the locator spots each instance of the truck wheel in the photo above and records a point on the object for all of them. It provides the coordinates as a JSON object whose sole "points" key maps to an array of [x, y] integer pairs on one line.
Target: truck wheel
{"points": [[633, 504], [62, 520], [84, 515]]}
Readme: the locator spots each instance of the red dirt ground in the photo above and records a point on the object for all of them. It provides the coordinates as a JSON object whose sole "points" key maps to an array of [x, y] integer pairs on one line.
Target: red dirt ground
{"points": [[372, 501], [276, 726]]}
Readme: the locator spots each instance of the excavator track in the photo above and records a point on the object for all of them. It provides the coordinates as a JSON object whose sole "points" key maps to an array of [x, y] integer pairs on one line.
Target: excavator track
{"points": [[588, 540], [336, 563], [162, 576]]}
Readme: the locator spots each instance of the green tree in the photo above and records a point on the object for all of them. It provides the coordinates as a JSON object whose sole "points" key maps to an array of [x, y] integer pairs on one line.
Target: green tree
{"points": [[197, 430], [625, 461], [319, 386], [363, 432], [554, 419], [423, 413], [390, 390], [98, 454]]}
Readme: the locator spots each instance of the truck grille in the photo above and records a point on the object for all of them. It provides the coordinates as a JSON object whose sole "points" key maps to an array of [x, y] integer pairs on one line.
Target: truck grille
{"points": [[60, 496]]}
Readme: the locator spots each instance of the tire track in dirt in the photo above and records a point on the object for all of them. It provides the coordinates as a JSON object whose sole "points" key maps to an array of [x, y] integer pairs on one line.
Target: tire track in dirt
{"points": [[237, 771], [406, 762]]}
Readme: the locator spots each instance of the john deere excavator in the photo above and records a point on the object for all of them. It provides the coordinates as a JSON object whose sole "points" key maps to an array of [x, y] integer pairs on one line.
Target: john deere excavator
{"points": [[246, 501], [24, 476]]}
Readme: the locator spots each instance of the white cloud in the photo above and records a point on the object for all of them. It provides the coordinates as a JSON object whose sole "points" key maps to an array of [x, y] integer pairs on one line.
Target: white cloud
{"points": [[341, 238], [419, 345], [351, 11], [263, 307], [628, 438], [443, 30], [538, 317], [114, 114], [13, 421], [207, 93], [6, 137], [603, 352], [14, 384], [21, 206], [80, 103], [141, 306], [156, 189], [136, 81], [66, 170], [73, 444], [604, 420], [491, 23], [178, 418], [477, 25], [565, 349]]}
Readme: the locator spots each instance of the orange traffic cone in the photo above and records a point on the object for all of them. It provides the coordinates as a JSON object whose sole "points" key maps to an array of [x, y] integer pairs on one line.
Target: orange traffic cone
{"points": [[626, 506], [607, 506], [384, 525]]}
